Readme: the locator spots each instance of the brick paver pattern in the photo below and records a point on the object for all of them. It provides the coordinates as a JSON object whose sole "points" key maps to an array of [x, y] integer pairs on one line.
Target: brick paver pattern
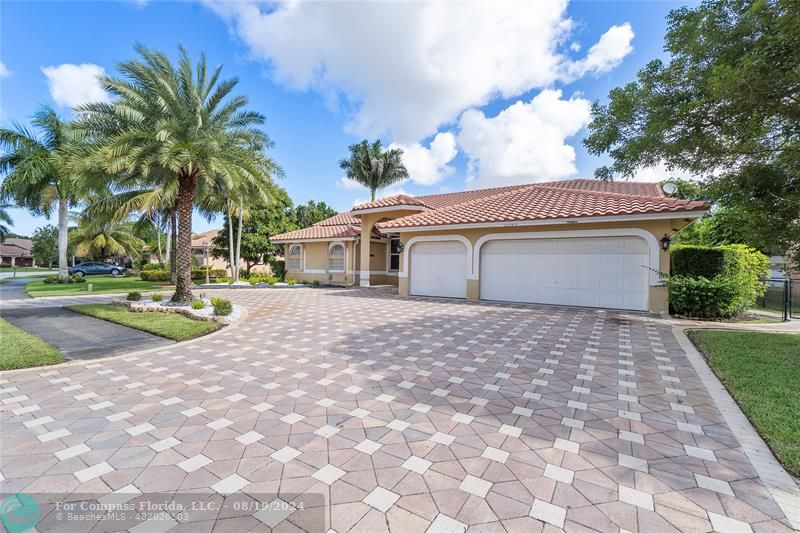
{"points": [[405, 414]]}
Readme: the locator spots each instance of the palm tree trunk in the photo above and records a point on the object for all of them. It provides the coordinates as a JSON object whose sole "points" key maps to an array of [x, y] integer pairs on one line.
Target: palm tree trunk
{"points": [[173, 261], [158, 238], [63, 229], [168, 248], [231, 255], [239, 241], [372, 190], [185, 204]]}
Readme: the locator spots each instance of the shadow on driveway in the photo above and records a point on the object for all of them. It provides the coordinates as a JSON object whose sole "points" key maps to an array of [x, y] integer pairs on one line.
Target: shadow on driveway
{"points": [[81, 337]]}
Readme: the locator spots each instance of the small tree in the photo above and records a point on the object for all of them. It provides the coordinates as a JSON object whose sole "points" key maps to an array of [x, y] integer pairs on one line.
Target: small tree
{"points": [[44, 245]]}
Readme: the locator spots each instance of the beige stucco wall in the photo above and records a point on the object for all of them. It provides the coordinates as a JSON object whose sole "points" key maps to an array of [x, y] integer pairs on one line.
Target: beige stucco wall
{"points": [[658, 228]]}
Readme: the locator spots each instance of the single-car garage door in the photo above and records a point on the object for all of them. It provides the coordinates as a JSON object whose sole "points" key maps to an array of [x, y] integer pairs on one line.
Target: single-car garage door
{"points": [[439, 269], [591, 272]]}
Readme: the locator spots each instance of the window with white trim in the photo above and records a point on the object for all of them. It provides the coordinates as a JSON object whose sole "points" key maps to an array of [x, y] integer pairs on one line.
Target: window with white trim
{"points": [[336, 258], [294, 259], [394, 254]]}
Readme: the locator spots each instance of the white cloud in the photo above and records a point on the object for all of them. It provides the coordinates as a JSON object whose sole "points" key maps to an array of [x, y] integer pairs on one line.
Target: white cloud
{"points": [[405, 69], [660, 172], [524, 143], [73, 85], [349, 185], [428, 166], [4, 71], [606, 54]]}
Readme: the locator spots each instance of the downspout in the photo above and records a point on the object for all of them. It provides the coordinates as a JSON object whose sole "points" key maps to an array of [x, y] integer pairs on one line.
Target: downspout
{"points": [[353, 261]]}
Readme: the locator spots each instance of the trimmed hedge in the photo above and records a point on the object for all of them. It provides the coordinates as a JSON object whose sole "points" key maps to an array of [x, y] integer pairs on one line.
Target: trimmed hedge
{"points": [[716, 281], [153, 266], [197, 273]]}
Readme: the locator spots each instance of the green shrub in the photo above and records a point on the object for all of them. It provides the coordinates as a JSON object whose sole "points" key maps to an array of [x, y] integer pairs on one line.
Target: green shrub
{"points": [[153, 266], [154, 275], [77, 279], [316, 283], [157, 297], [198, 304], [50, 279], [716, 282], [134, 296], [278, 268], [291, 281], [222, 307], [200, 273]]}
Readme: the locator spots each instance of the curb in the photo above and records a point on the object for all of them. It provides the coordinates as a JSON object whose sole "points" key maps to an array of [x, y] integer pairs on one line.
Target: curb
{"points": [[82, 362], [778, 481]]}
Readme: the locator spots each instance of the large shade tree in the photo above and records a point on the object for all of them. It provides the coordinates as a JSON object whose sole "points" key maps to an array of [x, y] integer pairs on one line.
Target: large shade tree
{"points": [[40, 173], [725, 106], [373, 166], [178, 124]]}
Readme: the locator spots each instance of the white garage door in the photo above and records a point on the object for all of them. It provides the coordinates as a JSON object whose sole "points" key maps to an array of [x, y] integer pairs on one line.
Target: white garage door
{"points": [[590, 272], [439, 269]]}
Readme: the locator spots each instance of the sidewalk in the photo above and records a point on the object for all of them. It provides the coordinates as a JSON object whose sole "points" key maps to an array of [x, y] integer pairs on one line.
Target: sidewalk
{"points": [[791, 326]]}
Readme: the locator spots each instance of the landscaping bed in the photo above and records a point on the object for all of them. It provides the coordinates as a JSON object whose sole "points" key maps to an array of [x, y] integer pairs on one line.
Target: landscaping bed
{"points": [[23, 350], [205, 313], [171, 326], [762, 373]]}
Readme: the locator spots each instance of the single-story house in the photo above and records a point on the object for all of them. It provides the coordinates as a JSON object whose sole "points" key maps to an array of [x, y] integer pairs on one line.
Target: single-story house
{"points": [[574, 242], [17, 252]]}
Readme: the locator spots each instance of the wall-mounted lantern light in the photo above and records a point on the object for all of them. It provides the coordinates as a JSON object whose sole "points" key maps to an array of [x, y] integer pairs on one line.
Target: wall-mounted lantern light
{"points": [[665, 242]]}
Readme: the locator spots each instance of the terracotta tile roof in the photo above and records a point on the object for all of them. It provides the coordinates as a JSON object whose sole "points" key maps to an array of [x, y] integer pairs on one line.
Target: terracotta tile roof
{"points": [[206, 236], [544, 202], [339, 219], [341, 231], [17, 247], [552, 200], [391, 201]]}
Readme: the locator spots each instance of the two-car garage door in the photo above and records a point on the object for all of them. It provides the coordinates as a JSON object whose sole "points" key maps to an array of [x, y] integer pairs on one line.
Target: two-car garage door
{"points": [[591, 272], [607, 272]]}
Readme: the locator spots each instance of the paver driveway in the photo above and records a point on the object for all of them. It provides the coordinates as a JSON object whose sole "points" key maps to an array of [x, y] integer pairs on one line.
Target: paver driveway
{"points": [[398, 414]]}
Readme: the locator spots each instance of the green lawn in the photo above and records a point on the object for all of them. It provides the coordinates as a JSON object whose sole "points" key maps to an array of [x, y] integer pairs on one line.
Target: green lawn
{"points": [[28, 269], [22, 350], [762, 373], [101, 284], [170, 325]]}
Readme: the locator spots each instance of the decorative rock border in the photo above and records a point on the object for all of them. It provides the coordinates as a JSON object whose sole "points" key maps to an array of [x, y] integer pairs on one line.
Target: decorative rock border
{"points": [[195, 314], [264, 285]]}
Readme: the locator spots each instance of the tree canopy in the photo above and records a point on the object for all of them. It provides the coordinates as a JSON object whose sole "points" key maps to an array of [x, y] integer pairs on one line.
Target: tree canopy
{"points": [[725, 106], [373, 166]]}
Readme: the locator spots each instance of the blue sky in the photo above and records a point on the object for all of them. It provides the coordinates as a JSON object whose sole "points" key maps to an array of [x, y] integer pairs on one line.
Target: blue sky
{"points": [[470, 91]]}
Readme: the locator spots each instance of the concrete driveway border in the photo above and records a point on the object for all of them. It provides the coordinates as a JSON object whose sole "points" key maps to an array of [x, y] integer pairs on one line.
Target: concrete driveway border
{"points": [[777, 480]]}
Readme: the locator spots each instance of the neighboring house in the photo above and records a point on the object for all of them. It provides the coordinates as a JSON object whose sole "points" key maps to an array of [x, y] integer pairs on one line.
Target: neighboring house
{"points": [[16, 252], [218, 262], [574, 242]]}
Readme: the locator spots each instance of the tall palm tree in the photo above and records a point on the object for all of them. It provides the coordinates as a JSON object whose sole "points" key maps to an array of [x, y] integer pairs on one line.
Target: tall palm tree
{"points": [[5, 218], [373, 167], [39, 171], [177, 124]]}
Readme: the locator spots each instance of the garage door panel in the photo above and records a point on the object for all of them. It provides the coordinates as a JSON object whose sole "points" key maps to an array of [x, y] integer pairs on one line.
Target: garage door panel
{"points": [[592, 272], [439, 268]]}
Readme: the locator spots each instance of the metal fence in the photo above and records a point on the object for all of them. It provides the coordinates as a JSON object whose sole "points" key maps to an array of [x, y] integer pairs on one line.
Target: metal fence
{"points": [[781, 299]]}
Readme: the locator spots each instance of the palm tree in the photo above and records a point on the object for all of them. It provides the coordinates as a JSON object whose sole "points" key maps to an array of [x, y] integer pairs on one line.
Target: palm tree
{"points": [[5, 218], [39, 172], [174, 124], [105, 238], [373, 167]]}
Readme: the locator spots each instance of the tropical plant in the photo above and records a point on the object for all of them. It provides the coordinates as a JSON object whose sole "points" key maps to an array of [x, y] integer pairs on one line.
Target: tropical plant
{"points": [[39, 172], [373, 167], [103, 239], [175, 126], [5, 218]]}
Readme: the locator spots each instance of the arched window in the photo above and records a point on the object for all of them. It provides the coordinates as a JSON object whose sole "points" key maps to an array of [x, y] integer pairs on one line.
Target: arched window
{"points": [[294, 259], [336, 258]]}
